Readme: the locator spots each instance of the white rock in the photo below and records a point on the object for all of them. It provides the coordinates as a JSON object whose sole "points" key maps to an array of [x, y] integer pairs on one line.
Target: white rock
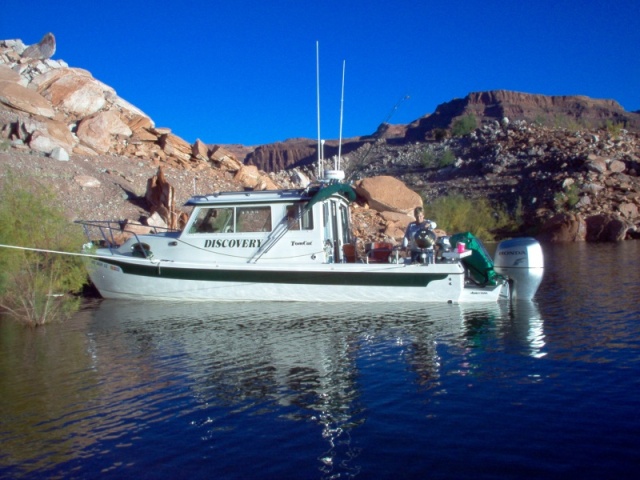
{"points": [[59, 153]]}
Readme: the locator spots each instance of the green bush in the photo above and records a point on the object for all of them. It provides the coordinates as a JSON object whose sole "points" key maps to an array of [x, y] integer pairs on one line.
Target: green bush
{"points": [[464, 126], [447, 158], [428, 159], [614, 129], [454, 214], [568, 198], [35, 286], [438, 159]]}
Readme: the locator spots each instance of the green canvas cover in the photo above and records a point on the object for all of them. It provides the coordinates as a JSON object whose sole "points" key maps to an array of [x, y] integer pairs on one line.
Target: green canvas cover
{"points": [[479, 263], [326, 192]]}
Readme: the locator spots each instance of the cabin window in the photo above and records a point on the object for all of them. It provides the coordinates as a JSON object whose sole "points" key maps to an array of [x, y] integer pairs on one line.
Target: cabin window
{"points": [[344, 218], [213, 220], [253, 219], [299, 218]]}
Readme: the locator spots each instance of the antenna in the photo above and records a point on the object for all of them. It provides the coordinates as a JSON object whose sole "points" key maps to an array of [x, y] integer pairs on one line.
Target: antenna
{"points": [[337, 167], [320, 159]]}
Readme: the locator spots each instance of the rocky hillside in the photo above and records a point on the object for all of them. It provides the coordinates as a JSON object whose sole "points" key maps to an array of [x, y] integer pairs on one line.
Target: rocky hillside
{"points": [[580, 184], [572, 163], [49, 108], [563, 112]]}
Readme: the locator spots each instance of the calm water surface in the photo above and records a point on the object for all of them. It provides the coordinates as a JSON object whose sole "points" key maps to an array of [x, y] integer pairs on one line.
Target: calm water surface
{"points": [[548, 389]]}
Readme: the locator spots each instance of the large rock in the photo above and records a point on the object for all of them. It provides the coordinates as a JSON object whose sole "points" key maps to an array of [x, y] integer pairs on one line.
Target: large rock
{"points": [[563, 227], [224, 159], [76, 92], [160, 196], [97, 131], [42, 50], [388, 194], [9, 75], [606, 228], [250, 177], [176, 147], [21, 98], [57, 133]]}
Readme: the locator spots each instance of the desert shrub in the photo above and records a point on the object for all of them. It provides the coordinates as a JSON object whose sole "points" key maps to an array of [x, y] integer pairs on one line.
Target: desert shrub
{"points": [[35, 286], [454, 214], [567, 198], [428, 159], [464, 126], [446, 159], [614, 128], [441, 159]]}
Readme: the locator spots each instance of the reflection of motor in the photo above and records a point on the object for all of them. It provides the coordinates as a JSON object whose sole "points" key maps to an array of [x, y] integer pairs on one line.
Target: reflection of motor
{"points": [[425, 239]]}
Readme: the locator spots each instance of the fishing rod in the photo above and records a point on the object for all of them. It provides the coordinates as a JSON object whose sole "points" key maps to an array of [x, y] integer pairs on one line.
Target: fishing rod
{"points": [[378, 132]]}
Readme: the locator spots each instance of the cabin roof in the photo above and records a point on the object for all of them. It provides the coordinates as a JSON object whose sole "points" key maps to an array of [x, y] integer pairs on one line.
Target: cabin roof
{"points": [[251, 196], [317, 193]]}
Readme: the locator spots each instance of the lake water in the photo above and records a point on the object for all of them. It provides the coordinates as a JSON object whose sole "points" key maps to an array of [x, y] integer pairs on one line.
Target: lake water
{"points": [[548, 389]]}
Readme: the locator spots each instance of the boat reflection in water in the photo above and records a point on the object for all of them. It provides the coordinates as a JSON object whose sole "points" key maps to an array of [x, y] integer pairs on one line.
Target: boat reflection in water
{"points": [[301, 362]]}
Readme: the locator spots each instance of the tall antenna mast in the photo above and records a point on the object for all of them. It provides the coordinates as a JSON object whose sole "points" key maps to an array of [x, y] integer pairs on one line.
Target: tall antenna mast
{"points": [[337, 167], [320, 159]]}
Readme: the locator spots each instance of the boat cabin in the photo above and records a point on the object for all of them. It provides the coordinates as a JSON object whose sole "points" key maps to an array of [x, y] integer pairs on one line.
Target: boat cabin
{"points": [[282, 226]]}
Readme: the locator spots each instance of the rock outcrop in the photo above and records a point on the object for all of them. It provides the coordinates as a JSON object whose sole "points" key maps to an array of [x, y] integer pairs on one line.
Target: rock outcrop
{"points": [[56, 108], [546, 171], [559, 111]]}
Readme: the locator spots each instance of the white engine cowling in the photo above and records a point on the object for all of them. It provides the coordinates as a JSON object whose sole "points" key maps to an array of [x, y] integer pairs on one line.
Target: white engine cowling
{"points": [[522, 261]]}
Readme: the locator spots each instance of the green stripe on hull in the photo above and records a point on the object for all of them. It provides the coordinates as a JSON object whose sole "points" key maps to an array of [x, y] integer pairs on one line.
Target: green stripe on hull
{"points": [[378, 279]]}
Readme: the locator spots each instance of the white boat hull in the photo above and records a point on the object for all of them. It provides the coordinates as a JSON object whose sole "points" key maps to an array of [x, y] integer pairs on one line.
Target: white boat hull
{"points": [[120, 277]]}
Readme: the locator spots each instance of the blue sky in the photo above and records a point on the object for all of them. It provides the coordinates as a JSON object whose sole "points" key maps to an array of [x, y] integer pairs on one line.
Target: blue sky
{"points": [[245, 71]]}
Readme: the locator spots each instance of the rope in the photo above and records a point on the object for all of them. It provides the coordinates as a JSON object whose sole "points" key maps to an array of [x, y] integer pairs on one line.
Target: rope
{"points": [[42, 250]]}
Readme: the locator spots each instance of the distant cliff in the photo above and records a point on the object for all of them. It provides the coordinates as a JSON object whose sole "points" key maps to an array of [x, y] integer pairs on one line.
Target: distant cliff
{"points": [[552, 111], [559, 111]]}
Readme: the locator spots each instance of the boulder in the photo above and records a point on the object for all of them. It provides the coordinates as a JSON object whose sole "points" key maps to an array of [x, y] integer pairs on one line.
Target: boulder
{"points": [[606, 228], [175, 146], [41, 50], [60, 154], [97, 131], [21, 98], [200, 151], [564, 227], [617, 166], [57, 134], [76, 92], [628, 211], [250, 177], [386, 193], [160, 196], [9, 75], [224, 159]]}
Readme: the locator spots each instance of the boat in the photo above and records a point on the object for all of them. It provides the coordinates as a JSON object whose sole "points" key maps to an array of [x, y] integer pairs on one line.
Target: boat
{"points": [[295, 245]]}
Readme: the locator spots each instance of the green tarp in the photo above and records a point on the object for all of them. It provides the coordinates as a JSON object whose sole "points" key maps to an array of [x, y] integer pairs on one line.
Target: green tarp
{"points": [[326, 192], [479, 263]]}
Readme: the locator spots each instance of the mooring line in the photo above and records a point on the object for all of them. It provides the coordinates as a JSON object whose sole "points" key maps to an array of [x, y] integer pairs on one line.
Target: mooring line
{"points": [[42, 250]]}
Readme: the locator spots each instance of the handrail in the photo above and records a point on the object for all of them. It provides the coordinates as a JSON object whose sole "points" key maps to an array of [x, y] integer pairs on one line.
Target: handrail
{"points": [[110, 228]]}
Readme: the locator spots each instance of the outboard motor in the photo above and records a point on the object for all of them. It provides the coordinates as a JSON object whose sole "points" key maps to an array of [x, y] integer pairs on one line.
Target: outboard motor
{"points": [[522, 261]]}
